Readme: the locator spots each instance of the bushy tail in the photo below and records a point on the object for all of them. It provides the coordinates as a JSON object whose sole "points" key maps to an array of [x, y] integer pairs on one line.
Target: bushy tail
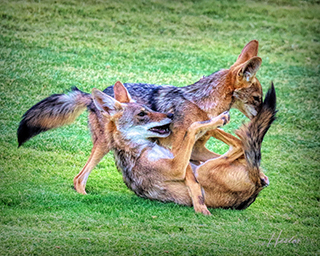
{"points": [[253, 133], [52, 112]]}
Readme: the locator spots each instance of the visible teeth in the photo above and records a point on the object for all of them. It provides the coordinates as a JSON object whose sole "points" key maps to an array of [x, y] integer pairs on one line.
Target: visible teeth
{"points": [[161, 129], [164, 130]]}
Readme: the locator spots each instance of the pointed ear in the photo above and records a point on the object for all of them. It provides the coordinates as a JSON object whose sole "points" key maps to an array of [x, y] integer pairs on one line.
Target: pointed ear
{"points": [[105, 103], [120, 93], [249, 51], [249, 69]]}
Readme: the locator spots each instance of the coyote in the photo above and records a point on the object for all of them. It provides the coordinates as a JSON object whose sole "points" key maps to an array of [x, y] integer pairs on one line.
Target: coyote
{"points": [[236, 87]]}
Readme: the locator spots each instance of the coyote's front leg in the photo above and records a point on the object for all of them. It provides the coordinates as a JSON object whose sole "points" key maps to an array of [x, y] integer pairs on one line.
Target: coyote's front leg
{"points": [[179, 167]]}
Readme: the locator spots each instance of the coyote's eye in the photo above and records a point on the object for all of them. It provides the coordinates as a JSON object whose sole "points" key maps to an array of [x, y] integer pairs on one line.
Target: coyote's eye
{"points": [[142, 113]]}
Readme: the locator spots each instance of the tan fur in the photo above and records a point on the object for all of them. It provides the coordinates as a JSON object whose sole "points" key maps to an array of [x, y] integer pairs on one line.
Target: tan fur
{"points": [[226, 179]]}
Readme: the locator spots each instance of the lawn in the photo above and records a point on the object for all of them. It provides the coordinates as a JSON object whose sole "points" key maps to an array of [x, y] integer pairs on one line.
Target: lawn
{"points": [[49, 46]]}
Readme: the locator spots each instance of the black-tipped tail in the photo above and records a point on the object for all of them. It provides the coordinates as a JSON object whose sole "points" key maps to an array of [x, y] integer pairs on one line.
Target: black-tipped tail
{"points": [[52, 112], [252, 134], [26, 132]]}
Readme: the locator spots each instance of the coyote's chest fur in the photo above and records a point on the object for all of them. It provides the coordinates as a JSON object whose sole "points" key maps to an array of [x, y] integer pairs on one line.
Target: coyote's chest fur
{"points": [[136, 174]]}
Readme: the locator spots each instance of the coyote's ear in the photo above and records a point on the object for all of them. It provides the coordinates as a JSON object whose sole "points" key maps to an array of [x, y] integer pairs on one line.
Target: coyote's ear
{"points": [[248, 70], [120, 93], [105, 103], [249, 51]]}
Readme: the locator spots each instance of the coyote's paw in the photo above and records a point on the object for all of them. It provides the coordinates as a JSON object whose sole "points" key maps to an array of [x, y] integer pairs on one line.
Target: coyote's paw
{"points": [[211, 124], [200, 207], [225, 118], [78, 186], [204, 212]]}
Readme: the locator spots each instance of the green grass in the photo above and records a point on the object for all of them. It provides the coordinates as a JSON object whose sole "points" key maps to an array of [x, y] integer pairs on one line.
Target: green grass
{"points": [[48, 46]]}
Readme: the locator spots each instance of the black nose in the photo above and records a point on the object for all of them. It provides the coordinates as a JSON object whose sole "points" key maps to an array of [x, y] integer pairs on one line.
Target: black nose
{"points": [[170, 115]]}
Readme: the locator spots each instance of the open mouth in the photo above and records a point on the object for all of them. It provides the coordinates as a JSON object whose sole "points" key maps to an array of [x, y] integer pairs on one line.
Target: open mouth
{"points": [[161, 130]]}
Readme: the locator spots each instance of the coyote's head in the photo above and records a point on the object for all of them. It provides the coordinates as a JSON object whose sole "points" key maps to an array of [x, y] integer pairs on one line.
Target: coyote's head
{"points": [[247, 93], [132, 120]]}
